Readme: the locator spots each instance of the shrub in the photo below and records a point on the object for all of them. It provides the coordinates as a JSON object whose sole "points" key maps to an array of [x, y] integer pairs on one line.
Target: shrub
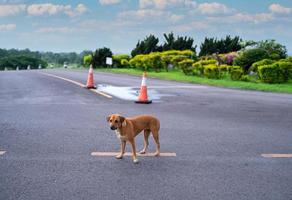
{"points": [[176, 59], [87, 60], [224, 68], [117, 59], [137, 62], [273, 73], [287, 67], [236, 73], [211, 71], [124, 62], [250, 56], [186, 66], [254, 67], [198, 69]]}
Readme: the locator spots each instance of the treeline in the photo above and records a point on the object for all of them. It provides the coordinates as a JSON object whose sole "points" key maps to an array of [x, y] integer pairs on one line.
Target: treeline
{"points": [[13, 58], [208, 47]]}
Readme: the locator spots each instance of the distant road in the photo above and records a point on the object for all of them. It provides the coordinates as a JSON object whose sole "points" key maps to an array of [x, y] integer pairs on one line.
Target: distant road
{"points": [[50, 127]]}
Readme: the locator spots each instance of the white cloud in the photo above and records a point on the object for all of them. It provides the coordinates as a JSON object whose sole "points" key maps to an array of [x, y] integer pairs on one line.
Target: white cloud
{"points": [[175, 18], [277, 8], [81, 8], [162, 4], [7, 27], [141, 13], [8, 10], [63, 30], [242, 17], [213, 8], [108, 2], [52, 9]]}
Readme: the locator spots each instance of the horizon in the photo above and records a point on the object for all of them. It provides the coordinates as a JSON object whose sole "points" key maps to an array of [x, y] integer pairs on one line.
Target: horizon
{"points": [[74, 26]]}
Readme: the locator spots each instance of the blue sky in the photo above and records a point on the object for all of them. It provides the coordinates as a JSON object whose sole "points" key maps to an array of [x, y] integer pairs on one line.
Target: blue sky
{"points": [[65, 26]]}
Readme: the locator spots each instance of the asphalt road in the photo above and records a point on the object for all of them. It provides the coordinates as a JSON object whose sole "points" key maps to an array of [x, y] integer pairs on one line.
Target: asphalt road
{"points": [[49, 127]]}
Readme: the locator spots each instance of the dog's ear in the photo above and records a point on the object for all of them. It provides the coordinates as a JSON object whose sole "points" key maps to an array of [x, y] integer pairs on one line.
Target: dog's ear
{"points": [[108, 118], [123, 121]]}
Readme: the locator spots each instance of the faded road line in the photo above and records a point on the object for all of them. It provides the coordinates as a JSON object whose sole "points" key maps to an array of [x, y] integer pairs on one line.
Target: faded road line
{"points": [[110, 154], [77, 83], [277, 155], [2, 153]]}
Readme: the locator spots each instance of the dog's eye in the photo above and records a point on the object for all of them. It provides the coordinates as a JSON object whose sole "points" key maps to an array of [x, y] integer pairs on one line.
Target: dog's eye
{"points": [[116, 121], [111, 120]]}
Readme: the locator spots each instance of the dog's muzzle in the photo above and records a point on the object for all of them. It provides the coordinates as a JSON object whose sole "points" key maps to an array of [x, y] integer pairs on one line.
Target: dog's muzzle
{"points": [[113, 128]]}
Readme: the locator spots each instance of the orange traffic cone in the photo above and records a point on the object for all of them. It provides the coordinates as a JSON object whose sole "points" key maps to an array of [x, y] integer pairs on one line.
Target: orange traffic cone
{"points": [[143, 97], [90, 81]]}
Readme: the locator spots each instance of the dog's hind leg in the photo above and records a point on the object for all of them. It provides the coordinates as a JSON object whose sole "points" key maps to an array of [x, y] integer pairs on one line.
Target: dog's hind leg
{"points": [[146, 143], [156, 139]]}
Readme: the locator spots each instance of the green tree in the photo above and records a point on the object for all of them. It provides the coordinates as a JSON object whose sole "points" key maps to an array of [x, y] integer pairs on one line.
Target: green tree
{"points": [[224, 45], [179, 43], [99, 57], [148, 45]]}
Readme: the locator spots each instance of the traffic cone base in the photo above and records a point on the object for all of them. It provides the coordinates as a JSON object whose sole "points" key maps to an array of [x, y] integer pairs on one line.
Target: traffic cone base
{"points": [[144, 102]]}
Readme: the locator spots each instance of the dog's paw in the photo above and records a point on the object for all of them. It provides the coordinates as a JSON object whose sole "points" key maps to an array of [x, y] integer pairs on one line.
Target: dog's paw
{"points": [[136, 161], [156, 154], [142, 152], [119, 156]]}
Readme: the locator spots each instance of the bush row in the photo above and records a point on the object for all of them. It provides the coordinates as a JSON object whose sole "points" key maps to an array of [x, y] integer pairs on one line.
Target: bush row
{"points": [[161, 60]]}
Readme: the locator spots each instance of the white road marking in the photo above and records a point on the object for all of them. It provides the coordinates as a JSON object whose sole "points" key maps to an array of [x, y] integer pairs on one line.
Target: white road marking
{"points": [[111, 154], [277, 155], [77, 83], [2, 153]]}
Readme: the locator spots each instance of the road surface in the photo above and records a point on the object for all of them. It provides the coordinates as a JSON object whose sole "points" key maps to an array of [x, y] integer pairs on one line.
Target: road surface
{"points": [[50, 127]]}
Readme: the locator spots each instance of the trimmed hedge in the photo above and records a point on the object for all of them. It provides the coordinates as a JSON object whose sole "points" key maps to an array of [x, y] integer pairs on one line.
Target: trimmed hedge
{"points": [[211, 71], [186, 66], [273, 73], [161, 60], [117, 59], [236, 73], [254, 67]]}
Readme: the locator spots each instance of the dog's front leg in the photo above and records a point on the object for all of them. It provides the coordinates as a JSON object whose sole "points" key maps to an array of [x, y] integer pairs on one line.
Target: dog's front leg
{"points": [[123, 146], [135, 160]]}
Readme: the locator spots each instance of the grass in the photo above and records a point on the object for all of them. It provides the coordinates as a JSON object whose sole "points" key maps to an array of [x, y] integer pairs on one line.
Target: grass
{"points": [[179, 76]]}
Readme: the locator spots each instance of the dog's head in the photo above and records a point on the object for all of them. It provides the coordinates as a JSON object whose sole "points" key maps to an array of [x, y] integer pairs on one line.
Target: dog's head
{"points": [[116, 121]]}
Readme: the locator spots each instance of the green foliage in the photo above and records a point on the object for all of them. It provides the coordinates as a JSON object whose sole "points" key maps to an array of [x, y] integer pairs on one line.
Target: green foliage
{"points": [[87, 60], [236, 73], [250, 56], [148, 45], [286, 65], [99, 57], [186, 66], [211, 71], [224, 68], [124, 62], [254, 67], [198, 67], [12, 62], [117, 59], [160, 60], [138, 62], [212, 45], [179, 43], [176, 59], [274, 73], [275, 50]]}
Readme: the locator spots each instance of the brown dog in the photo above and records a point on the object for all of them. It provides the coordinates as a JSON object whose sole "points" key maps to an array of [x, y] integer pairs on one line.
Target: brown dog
{"points": [[128, 128]]}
